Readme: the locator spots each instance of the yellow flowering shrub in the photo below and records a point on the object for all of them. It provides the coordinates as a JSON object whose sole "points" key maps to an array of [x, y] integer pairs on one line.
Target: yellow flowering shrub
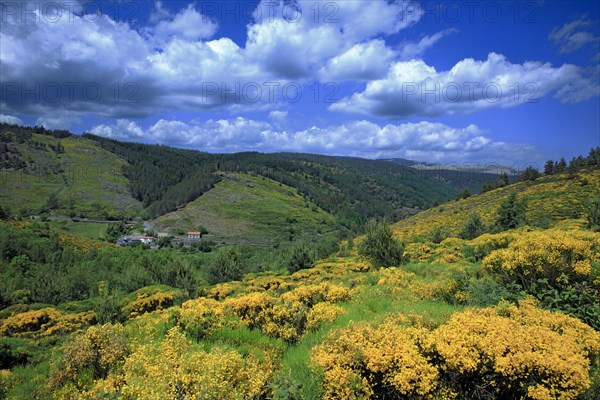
{"points": [[44, 322], [322, 313], [443, 289], [80, 242], [362, 361], [98, 350], [176, 369], [200, 317], [516, 352], [521, 352], [5, 384], [548, 254], [285, 316], [222, 291], [313, 294], [395, 277], [486, 243], [145, 302]]}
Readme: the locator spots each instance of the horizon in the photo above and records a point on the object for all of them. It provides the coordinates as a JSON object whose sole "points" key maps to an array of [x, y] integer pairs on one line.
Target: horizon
{"points": [[447, 83]]}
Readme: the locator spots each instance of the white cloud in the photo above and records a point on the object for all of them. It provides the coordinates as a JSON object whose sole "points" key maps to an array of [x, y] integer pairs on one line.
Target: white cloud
{"points": [[122, 130], [10, 119], [364, 61], [61, 120], [415, 88], [425, 141], [416, 50], [187, 24], [170, 63], [574, 35]]}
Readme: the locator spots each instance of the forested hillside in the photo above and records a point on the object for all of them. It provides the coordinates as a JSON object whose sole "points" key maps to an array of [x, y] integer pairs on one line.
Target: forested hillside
{"points": [[351, 189]]}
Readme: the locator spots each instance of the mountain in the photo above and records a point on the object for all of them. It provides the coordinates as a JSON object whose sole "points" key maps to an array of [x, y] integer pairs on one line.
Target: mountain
{"points": [[91, 176], [471, 176]]}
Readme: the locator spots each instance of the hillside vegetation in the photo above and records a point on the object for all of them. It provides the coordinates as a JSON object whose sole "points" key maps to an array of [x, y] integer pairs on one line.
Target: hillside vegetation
{"points": [[248, 209], [507, 313], [67, 175]]}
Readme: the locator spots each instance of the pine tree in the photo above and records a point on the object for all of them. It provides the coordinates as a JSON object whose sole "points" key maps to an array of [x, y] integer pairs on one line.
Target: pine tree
{"points": [[511, 213], [549, 167]]}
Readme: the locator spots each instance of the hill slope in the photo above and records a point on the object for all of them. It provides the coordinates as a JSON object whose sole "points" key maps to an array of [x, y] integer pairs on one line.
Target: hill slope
{"points": [[247, 209], [549, 199], [79, 176]]}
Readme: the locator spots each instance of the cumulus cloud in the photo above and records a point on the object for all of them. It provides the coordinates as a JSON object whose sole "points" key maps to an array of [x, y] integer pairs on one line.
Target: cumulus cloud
{"points": [[10, 119], [574, 35], [110, 68], [416, 50], [364, 61], [187, 24], [425, 141], [415, 88]]}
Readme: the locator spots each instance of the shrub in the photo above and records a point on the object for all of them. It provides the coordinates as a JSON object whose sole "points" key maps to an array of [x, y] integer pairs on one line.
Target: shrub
{"points": [[366, 362], [511, 213], [473, 227], [200, 318], [551, 255], [226, 267], [179, 370], [300, 259], [514, 352], [96, 351], [380, 246], [593, 215], [508, 351]]}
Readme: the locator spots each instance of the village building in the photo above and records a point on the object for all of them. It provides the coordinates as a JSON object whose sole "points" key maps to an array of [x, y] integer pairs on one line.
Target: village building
{"points": [[194, 235]]}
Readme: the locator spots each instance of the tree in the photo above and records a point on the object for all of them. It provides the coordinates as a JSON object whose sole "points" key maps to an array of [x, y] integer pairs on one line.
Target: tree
{"points": [[503, 180], [464, 194], [511, 213], [380, 246], [549, 167], [594, 157], [530, 174], [473, 228], [226, 267], [593, 217], [560, 166], [487, 186], [300, 259]]}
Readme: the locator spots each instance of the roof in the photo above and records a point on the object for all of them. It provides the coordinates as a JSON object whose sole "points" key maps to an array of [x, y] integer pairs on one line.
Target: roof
{"points": [[193, 233]]}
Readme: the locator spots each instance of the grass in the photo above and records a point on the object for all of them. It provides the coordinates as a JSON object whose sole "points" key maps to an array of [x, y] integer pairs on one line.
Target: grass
{"points": [[89, 230], [247, 209]]}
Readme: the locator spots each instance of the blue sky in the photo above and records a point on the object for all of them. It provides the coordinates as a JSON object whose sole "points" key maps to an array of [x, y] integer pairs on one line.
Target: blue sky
{"points": [[467, 81]]}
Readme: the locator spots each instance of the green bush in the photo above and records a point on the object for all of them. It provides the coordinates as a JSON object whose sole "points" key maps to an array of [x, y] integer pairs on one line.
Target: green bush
{"points": [[511, 213], [226, 267], [300, 259], [578, 300], [593, 215], [380, 246], [473, 227]]}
